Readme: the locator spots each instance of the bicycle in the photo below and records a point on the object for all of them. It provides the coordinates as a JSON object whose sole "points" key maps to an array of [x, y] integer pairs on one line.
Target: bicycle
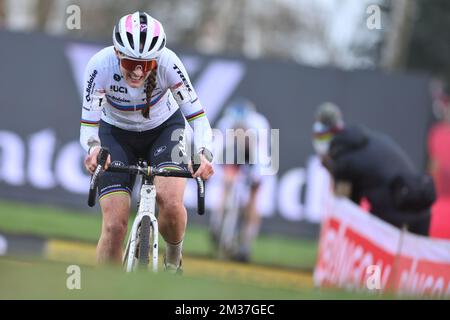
{"points": [[231, 220], [145, 224]]}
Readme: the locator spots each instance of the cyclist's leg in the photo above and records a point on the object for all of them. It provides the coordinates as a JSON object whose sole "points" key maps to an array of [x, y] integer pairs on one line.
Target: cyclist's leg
{"points": [[168, 150], [229, 176], [115, 212], [252, 219], [114, 196], [172, 217]]}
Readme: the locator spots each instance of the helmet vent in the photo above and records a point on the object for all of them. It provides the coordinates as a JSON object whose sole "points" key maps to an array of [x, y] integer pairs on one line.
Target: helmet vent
{"points": [[162, 44], [143, 31], [119, 39], [130, 40], [154, 40]]}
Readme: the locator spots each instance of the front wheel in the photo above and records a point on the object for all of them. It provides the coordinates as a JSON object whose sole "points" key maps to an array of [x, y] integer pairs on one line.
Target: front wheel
{"points": [[144, 243]]}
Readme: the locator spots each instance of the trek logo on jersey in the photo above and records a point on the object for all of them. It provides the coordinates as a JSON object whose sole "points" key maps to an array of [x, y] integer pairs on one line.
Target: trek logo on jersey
{"points": [[118, 89], [89, 85], [183, 78]]}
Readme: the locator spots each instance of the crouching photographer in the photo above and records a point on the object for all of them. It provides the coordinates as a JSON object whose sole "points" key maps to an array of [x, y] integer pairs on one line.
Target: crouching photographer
{"points": [[369, 165]]}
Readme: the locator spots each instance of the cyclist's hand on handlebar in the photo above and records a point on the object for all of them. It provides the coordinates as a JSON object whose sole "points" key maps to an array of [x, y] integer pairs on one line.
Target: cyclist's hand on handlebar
{"points": [[90, 162], [205, 171]]}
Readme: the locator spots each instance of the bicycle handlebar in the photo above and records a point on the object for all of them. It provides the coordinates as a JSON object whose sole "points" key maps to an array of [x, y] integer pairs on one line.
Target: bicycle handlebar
{"points": [[101, 160], [147, 171]]}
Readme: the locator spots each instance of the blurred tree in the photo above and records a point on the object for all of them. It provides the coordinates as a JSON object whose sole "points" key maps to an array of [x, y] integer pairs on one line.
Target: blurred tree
{"points": [[19, 14], [332, 32], [42, 13], [397, 41], [2, 13], [367, 45], [430, 45]]}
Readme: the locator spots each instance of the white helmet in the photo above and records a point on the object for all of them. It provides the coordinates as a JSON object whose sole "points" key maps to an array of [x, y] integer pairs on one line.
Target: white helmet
{"points": [[139, 36]]}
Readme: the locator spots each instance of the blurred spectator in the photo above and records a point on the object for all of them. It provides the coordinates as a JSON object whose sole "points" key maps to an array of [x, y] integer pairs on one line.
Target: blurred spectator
{"points": [[439, 165], [370, 165]]}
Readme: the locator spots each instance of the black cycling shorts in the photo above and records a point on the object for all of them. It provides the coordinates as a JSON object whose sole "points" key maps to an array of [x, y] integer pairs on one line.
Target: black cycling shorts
{"points": [[160, 147]]}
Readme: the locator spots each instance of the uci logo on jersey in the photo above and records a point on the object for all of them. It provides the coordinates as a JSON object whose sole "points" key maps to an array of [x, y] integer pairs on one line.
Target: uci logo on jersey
{"points": [[118, 89]]}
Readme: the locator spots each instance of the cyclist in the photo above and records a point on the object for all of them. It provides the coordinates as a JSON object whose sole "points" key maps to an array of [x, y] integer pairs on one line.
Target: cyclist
{"points": [[241, 117], [136, 98]]}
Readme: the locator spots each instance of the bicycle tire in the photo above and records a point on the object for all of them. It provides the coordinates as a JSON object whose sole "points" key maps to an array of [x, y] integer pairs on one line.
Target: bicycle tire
{"points": [[144, 243]]}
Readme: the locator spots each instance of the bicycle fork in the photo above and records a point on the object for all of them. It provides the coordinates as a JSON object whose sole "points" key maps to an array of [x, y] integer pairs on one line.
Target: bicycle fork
{"points": [[146, 208]]}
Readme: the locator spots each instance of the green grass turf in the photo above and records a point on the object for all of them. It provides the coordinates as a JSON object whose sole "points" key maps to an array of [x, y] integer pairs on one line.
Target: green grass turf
{"points": [[62, 223], [21, 279]]}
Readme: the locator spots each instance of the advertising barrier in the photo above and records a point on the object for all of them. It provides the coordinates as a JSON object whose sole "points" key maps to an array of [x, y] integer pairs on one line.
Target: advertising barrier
{"points": [[360, 252]]}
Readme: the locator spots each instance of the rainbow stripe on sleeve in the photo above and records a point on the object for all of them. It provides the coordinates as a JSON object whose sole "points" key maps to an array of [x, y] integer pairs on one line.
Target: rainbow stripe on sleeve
{"points": [[196, 115], [89, 123]]}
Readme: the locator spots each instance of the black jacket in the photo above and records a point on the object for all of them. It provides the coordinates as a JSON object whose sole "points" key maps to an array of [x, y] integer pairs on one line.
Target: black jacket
{"points": [[370, 161]]}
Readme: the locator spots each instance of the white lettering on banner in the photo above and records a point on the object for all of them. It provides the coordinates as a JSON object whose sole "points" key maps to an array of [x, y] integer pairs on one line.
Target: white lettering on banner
{"points": [[422, 283], [265, 201], [78, 55], [68, 162], [318, 189], [41, 146], [290, 190], [351, 240], [50, 166], [344, 262], [12, 158], [69, 170], [223, 74]]}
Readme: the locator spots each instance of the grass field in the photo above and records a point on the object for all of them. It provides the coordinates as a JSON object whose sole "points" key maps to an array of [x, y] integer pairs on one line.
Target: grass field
{"points": [[281, 267], [74, 225], [24, 279]]}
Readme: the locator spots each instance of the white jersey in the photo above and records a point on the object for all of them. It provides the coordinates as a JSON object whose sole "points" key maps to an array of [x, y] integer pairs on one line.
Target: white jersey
{"points": [[252, 123], [107, 96]]}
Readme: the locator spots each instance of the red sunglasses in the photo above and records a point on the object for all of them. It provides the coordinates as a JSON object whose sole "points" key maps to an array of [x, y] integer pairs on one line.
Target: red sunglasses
{"points": [[131, 65]]}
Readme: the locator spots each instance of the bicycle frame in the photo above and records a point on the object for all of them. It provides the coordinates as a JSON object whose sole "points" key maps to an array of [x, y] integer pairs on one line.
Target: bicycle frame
{"points": [[146, 207]]}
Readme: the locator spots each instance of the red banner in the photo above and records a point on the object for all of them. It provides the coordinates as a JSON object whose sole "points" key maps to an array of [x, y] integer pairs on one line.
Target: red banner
{"points": [[358, 251]]}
